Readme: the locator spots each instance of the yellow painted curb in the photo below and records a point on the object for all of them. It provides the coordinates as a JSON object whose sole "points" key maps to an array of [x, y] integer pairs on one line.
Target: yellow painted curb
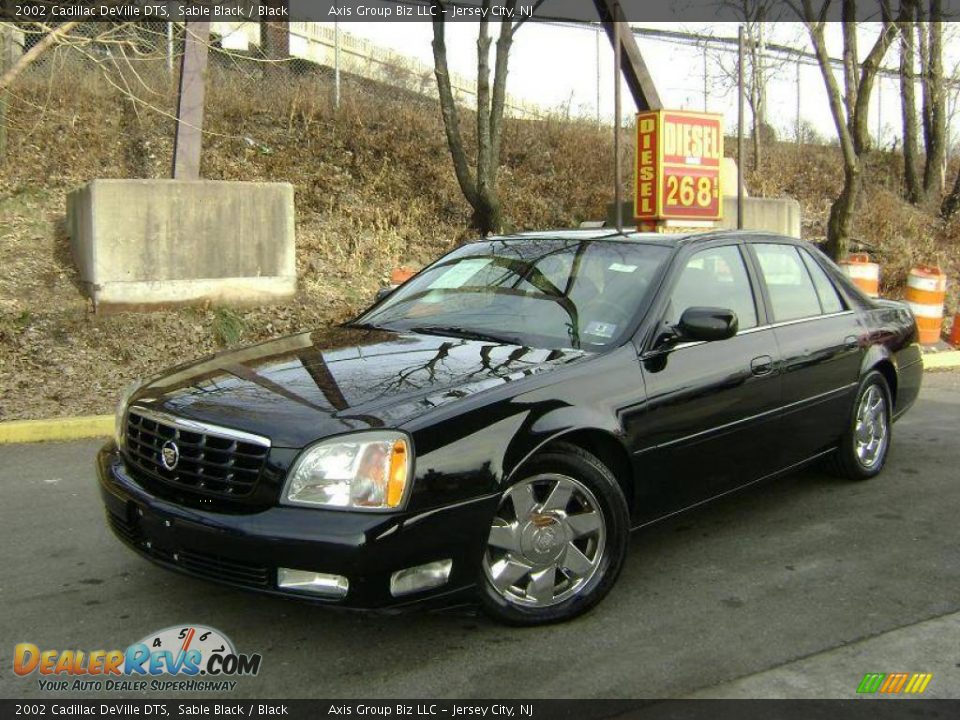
{"points": [[68, 428], [948, 359]]}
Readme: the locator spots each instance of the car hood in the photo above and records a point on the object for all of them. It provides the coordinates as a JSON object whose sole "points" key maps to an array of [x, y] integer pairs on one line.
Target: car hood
{"points": [[303, 387]]}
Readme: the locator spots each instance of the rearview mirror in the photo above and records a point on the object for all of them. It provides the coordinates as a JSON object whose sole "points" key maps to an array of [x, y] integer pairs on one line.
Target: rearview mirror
{"points": [[705, 324]]}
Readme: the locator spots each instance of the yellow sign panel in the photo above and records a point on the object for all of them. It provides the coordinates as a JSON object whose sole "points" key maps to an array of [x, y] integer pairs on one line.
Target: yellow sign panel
{"points": [[677, 170]]}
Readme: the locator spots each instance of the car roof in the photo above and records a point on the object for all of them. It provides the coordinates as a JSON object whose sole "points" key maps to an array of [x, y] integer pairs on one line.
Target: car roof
{"points": [[628, 234]]}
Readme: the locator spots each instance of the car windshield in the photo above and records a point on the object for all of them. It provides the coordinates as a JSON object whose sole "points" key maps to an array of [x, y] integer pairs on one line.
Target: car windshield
{"points": [[542, 292]]}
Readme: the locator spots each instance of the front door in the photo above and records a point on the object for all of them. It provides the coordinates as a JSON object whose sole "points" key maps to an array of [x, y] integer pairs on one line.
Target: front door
{"points": [[710, 419]]}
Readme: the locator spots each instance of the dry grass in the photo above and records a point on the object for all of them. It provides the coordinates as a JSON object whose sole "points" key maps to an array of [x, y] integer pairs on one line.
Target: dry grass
{"points": [[374, 188]]}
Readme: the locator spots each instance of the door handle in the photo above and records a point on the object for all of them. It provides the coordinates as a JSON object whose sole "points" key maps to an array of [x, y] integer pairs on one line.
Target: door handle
{"points": [[762, 365], [851, 342]]}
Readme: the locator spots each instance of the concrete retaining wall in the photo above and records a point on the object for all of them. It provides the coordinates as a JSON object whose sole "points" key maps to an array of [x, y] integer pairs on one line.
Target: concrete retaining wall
{"points": [[141, 243], [775, 215]]}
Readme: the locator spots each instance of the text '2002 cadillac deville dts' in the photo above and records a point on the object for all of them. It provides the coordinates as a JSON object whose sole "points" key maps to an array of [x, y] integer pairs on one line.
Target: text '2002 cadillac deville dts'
{"points": [[495, 427]]}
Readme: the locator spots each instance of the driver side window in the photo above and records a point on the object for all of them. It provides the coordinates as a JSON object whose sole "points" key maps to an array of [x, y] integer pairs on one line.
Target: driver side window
{"points": [[716, 277]]}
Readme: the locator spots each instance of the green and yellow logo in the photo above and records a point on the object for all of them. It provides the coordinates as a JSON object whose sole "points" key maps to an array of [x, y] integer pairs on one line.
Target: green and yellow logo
{"points": [[894, 683]]}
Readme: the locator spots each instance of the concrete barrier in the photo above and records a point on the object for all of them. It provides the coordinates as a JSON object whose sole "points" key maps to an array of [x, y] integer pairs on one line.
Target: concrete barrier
{"points": [[147, 243], [775, 215]]}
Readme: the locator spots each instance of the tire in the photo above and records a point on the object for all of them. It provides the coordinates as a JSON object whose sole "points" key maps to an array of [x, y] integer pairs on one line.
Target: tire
{"points": [[557, 541], [854, 459]]}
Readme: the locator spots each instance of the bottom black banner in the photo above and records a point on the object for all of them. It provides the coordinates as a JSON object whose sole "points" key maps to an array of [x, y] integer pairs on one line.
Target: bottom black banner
{"points": [[579, 709]]}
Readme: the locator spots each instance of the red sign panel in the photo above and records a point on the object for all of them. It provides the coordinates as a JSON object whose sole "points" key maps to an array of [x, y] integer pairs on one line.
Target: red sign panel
{"points": [[678, 166]]}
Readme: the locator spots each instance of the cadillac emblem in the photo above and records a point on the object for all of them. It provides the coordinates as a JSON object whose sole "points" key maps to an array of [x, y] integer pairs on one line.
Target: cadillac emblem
{"points": [[169, 455]]}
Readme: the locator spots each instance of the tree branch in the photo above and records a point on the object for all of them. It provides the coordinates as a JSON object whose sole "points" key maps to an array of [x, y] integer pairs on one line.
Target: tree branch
{"points": [[33, 53]]}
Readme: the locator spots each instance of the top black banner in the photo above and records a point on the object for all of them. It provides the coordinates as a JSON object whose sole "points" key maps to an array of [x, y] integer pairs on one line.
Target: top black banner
{"points": [[55, 11]]}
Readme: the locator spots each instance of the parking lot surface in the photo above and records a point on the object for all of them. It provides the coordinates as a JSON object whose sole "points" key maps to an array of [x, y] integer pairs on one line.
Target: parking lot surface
{"points": [[795, 588]]}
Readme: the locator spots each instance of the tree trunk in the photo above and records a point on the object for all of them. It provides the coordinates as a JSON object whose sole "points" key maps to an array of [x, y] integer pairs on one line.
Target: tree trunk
{"points": [[908, 105], [479, 189], [840, 223], [934, 107], [951, 203], [448, 108], [274, 42]]}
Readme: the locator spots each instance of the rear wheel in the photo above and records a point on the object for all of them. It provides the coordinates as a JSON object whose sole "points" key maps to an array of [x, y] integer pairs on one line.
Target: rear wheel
{"points": [[863, 449], [557, 541]]}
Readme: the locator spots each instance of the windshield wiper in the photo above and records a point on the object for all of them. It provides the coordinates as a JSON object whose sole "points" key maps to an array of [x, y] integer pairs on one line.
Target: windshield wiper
{"points": [[463, 333]]}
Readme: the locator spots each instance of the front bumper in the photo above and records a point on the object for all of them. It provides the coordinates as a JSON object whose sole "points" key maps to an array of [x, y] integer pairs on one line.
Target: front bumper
{"points": [[245, 550]]}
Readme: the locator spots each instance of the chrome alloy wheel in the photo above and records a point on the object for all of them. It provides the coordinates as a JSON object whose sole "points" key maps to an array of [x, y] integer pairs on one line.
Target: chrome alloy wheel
{"points": [[546, 541], [871, 432]]}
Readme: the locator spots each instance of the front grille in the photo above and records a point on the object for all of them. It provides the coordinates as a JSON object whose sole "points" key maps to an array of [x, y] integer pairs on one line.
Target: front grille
{"points": [[210, 462], [215, 567]]}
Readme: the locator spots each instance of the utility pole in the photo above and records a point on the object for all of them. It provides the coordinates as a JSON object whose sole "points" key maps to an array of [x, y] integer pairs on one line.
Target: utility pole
{"points": [[618, 189], [740, 130], [706, 79], [798, 101], [597, 38]]}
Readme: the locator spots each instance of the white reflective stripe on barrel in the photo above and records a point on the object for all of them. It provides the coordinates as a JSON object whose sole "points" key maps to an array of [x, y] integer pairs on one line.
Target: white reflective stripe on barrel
{"points": [[862, 271], [928, 311], [928, 283]]}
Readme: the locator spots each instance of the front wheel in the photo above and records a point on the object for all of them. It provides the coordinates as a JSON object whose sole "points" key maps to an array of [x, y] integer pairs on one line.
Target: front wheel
{"points": [[864, 446], [557, 541]]}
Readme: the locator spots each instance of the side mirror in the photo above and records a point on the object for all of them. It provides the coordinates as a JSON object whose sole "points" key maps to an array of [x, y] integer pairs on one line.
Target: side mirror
{"points": [[383, 292], [706, 324]]}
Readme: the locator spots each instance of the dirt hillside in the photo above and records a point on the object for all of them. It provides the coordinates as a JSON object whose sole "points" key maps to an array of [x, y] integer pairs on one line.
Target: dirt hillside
{"points": [[374, 188]]}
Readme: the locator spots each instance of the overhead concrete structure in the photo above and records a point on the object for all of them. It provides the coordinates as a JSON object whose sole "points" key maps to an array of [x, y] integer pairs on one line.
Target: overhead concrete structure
{"points": [[147, 243]]}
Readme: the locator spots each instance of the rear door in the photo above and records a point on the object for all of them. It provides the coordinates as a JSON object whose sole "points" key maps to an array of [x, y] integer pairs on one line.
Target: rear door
{"points": [[709, 424], [820, 341]]}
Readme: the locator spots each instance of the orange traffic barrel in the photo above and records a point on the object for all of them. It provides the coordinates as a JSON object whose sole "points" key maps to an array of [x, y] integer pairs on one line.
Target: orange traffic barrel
{"points": [[955, 331], [400, 275], [865, 274], [926, 290]]}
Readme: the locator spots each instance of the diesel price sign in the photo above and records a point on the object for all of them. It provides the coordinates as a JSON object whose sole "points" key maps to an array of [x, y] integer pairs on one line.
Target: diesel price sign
{"points": [[678, 166]]}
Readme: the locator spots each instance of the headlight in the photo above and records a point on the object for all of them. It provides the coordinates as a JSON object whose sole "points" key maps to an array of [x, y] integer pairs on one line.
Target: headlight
{"points": [[118, 421], [367, 471]]}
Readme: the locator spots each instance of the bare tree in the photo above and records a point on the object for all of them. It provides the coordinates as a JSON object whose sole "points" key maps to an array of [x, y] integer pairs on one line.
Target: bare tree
{"points": [[848, 108], [760, 67], [908, 100], [479, 188]]}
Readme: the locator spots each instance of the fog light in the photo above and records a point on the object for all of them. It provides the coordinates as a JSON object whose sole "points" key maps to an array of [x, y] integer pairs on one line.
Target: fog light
{"points": [[315, 583], [421, 577]]}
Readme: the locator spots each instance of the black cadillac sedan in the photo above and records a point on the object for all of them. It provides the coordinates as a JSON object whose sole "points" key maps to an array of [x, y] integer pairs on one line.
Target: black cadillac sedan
{"points": [[494, 428]]}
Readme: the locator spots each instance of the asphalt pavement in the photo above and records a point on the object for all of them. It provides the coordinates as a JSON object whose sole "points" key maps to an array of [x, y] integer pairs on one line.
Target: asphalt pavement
{"points": [[795, 588]]}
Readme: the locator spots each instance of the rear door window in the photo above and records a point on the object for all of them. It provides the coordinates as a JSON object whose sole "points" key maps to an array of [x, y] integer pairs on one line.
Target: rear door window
{"points": [[829, 299], [792, 293]]}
